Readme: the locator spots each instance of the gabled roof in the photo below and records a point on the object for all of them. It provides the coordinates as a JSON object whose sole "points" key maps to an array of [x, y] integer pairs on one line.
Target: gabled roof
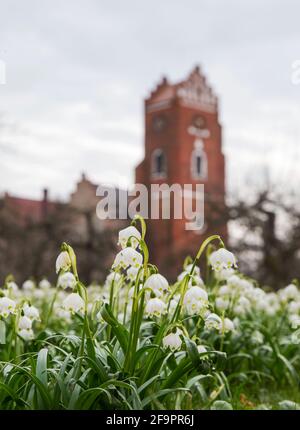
{"points": [[194, 90]]}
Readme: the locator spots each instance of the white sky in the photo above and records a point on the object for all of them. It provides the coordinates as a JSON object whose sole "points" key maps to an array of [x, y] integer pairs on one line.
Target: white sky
{"points": [[77, 73]]}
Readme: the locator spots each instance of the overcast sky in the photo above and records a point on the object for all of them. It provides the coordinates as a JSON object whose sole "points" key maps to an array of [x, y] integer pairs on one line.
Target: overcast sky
{"points": [[77, 72]]}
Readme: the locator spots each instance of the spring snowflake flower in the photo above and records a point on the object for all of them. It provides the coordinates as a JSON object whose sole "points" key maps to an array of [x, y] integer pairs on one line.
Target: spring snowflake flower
{"points": [[128, 257], [63, 262], [113, 277], [26, 334], [294, 321], [224, 274], [202, 349], [73, 303], [28, 285], [195, 300], [131, 273], [226, 326], [234, 281], [196, 270], [222, 304], [294, 307], [224, 291], [39, 294], [155, 307], [213, 321], [7, 307], [158, 284], [290, 292], [257, 338], [246, 287], [31, 312], [129, 233], [44, 284], [25, 323], [12, 286], [67, 280], [63, 314], [222, 259], [242, 306], [173, 341]]}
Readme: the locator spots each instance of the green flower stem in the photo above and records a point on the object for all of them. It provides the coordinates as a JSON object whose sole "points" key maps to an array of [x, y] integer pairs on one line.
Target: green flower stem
{"points": [[186, 279], [49, 313], [133, 328]]}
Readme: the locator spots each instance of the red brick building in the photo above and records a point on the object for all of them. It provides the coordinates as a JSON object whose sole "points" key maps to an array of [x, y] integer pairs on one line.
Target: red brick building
{"points": [[183, 145]]}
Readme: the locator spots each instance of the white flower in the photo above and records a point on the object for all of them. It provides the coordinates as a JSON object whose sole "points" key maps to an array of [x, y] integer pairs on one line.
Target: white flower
{"points": [[67, 280], [31, 312], [73, 303], [129, 233], [155, 307], [213, 321], [157, 283], [131, 273], [222, 304], [128, 257], [113, 277], [195, 293], [28, 285], [224, 291], [294, 321], [242, 306], [11, 285], [289, 293], [246, 286], [257, 338], [222, 259], [7, 306], [226, 326], [173, 341], [224, 274], [201, 349], [44, 284], [39, 294], [196, 271], [25, 323], [294, 307], [195, 300], [234, 281], [63, 314], [26, 334], [63, 262]]}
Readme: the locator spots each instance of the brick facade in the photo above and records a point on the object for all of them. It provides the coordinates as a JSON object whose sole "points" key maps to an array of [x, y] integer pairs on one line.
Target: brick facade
{"points": [[181, 120]]}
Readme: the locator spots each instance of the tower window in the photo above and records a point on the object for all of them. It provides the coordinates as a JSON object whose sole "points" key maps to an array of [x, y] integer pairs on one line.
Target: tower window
{"points": [[199, 161], [159, 168]]}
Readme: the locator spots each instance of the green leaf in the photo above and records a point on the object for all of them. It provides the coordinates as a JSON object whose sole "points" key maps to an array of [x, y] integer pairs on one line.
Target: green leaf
{"points": [[221, 405], [118, 329], [2, 333]]}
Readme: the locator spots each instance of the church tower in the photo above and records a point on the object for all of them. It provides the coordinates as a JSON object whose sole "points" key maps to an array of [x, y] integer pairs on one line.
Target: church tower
{"points": [[183, 145]]}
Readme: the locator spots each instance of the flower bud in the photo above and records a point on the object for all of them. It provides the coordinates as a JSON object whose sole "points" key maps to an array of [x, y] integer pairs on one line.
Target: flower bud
{"points": [[63, 262]]}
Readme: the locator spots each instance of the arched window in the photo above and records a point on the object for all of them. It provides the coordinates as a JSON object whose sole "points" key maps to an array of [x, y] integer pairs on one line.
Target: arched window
{"points": [[159, 167], [199, 161]]}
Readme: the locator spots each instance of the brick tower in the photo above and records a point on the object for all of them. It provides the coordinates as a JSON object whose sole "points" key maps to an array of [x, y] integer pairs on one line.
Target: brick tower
{"points": [[183, 145]]}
